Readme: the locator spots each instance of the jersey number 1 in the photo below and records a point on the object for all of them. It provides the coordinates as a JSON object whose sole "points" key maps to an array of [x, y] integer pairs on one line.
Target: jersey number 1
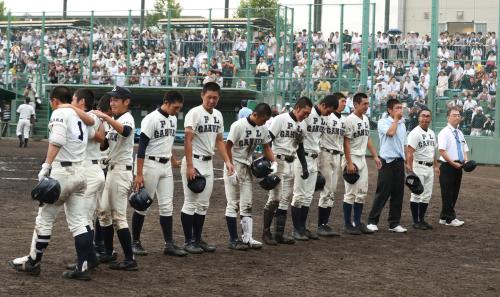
{"points": [[81, 131]]}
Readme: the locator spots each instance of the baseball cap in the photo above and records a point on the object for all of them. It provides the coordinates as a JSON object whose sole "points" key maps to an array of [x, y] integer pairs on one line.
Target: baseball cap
{"points": [[120, 92]]}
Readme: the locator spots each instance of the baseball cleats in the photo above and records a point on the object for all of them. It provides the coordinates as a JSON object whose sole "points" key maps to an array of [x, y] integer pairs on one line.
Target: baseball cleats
{"points": [[311, 235], [26, 265], [206, 247], [172, 250], [267, 238], [237, 245], [137, 248], [126, 265], [427, 225], [300, 235], [398, 229], [91, 266], [372, 227], [351, 230], [105, 258], [192, 248], [77, 274], [419, 226], [453, 223], [254, 244], [283, 239], [326, 231], [364, 229]]}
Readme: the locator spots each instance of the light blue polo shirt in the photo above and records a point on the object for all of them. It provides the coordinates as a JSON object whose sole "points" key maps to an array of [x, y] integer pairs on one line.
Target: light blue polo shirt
{"points": [[391, 147]]}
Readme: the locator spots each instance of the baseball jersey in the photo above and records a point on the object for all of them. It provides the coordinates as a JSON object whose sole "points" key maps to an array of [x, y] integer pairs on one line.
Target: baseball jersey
{"points": [[358, 132], [205, 126], [315, 126], [93, 151], [333, 138], [160, 128], [76, 135], [245, 136], [105, 153], [424, 143], [25, 111], [121, 148], [288, 133]]}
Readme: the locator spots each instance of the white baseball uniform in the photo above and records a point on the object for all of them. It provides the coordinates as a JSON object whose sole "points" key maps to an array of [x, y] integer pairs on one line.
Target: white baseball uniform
{"points": [[206, 126], [24, 124], [425, 145], [332, 147], [357, 130], [288, 133], [112, 207], [245, 136], [303, 189], [160, 128]]}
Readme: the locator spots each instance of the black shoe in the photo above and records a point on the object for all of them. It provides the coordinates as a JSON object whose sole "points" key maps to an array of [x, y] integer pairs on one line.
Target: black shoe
{"points": [[237, 245], [90, 265], [77, 274], [192, 248], [299, 235], [172, 250], [326, 231], [427, 225], [99, 247], [105, 258], [351, 230], [311, 235], [206, 247], [137, 248], [267, 238], [283, 239], [126, 265], [29, 266], [362, 227]]}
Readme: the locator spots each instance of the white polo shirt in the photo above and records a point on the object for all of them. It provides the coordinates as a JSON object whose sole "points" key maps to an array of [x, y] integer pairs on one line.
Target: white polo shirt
{"points": [[447, 142]]}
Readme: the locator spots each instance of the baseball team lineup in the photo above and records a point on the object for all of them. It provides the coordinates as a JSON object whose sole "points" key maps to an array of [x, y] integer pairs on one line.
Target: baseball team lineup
{"points": [[90, 172]]}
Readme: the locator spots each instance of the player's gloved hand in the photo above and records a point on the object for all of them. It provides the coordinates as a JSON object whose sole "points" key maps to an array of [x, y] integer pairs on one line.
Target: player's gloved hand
{"points": [[305, 172], [274, 167], [44, 171], [233, 179]]}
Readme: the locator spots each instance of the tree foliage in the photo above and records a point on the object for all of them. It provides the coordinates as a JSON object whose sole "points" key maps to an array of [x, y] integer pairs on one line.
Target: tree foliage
{"points": [[3, 11], [161, 8], [265, 9]]}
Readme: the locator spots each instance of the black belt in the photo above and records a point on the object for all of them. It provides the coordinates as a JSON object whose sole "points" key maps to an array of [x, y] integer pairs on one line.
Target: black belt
{"points": [[127, 167], [159, 159], [312, 155], [95, 161], [428, 164], [288, 159], [393, 160], [203, 158], [333, 152], [66, 164]]}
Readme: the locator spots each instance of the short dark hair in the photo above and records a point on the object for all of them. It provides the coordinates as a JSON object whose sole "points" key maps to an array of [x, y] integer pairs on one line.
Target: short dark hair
{"points": [[27, 100], [303, 102], [392, 102], [330, 101], [263, 109], [422, 110], [244, 103], [61, 93], [173, 97], [358, 97], [86, 94], [211, 86], [454, 108], [104, 103]]}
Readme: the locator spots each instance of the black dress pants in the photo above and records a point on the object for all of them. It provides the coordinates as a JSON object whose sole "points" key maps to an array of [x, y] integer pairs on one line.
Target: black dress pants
{"points": [[449, 180]]}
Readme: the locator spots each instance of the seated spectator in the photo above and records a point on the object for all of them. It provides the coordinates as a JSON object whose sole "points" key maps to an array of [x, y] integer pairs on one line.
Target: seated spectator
{"points": [[228, 72], [260, 71], [442, 84], [478, 122]]}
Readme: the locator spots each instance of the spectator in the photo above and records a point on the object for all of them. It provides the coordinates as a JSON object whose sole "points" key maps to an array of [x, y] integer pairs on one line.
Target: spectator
{"points": [[478, 122], [442, 84], [260, 71], [244, 110], [228, 71], [5, 119]]}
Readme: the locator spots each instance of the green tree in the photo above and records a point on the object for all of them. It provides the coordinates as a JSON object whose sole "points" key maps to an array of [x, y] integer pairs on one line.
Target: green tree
{"points": [[3, 11], [161, 8], [265, 9]]}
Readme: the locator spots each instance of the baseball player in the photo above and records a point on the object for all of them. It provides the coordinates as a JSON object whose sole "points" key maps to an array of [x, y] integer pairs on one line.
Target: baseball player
{"points": [[64, 162], [287, 132], [26, 113], [244, 136], [356, 140], [112, 207], [154, 169], [421, 158], [332, 147], [303, 188], [203, 128]]}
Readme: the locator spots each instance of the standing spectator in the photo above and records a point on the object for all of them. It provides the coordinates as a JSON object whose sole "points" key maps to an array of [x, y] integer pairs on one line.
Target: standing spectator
{"points": [[478, 122], [5, 119], [242, 49], [260, 71], [228, 71]]}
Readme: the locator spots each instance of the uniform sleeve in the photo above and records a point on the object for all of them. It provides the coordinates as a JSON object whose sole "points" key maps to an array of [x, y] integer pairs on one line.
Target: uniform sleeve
{"points": [[221, 122], [57, 126], [128, 121], [147, 127], [442, 140], [189, 120], [275, 126], [266, 137], [233, 135], [349, 129], [18, 109], [413, 139]]}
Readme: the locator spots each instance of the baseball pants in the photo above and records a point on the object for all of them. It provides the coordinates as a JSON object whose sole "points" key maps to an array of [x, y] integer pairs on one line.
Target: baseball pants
{"points": [[23, 128], [158, 178], [329, 166], [95, 186], [280, 196], [112, 207], [303, 189], [239, 197], [357, 192], [197, 203], [426, 176]]}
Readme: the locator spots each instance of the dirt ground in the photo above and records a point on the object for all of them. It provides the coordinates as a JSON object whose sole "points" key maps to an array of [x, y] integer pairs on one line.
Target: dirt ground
{"points": [[446, 261]]}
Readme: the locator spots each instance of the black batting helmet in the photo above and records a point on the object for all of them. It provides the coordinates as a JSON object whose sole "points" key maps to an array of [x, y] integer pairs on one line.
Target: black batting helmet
{"points": [[351, 178], [469, 166], [197, 185], [140, 200], [320, 182], [414, 183], [47, 191], [270, 182], [261, 167]]}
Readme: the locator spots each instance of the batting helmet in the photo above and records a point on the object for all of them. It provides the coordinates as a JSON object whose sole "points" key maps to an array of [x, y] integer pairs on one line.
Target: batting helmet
{"points": [[197, 185], [140, 200], [47, 191], [320, 182], [469, 166], [351, 178], [414, 183], [261, 167], [270, 182]]}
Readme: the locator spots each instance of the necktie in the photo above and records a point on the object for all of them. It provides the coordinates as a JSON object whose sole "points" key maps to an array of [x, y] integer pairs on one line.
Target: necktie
{"points": [[459, 147]]}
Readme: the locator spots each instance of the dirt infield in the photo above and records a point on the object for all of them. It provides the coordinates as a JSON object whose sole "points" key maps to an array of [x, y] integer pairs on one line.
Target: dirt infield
{"points": [[446, 261]]}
